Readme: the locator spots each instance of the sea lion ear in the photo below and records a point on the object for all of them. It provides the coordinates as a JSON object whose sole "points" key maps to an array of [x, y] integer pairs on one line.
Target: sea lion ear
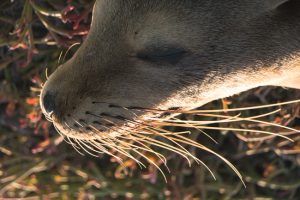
{"points": [[273, 4]]}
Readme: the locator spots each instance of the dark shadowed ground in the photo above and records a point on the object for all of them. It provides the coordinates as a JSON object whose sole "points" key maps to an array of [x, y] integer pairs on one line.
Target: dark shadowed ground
{"points": [[35, 162]]}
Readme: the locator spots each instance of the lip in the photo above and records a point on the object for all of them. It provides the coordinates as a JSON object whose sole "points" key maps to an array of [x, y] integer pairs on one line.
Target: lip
{"points": [[94, 133]]}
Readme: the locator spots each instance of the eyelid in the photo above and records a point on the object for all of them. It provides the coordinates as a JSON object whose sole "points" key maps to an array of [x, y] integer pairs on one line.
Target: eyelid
{"points": [[171, 55]]}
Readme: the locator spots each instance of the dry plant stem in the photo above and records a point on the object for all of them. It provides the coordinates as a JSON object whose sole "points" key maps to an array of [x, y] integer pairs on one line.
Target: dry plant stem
{"points": [[7, 61], [61, 31], [7, 20], [41, 166], [45, 11]]}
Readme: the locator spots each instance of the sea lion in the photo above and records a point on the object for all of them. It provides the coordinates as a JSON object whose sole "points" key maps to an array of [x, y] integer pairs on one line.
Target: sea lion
{"points": [[145, 59]]}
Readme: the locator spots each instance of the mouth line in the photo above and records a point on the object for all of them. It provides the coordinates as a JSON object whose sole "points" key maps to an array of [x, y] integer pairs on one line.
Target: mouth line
{"points": [[82, 124], [102, 127], [93, 133], [91, 129]]}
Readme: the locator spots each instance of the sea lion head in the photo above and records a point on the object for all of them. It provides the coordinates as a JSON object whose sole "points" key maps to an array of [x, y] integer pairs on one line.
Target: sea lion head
{"points": [[142, 58]]}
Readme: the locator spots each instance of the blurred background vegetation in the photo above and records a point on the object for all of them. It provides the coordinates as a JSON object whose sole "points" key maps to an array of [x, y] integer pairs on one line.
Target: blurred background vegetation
{"points": [[35, 163]]}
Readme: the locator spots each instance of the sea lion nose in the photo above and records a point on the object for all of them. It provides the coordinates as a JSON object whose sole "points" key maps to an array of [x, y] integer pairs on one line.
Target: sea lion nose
{"points": [[48, 103]]}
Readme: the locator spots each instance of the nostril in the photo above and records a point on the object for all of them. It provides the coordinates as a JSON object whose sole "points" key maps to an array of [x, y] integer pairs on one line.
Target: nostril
{"points": [[49, 102]]}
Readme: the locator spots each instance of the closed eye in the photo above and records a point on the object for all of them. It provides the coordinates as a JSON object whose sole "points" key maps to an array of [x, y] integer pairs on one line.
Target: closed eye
{"points": [[169, 55]]}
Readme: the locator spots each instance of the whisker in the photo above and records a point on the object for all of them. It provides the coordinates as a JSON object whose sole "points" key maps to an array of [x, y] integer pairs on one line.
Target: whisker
{"points": [[148, 149], [207, 135], [75, 147], [153, 163], [152, 141], [252, 117], [179, 121], [161, 133], [36, 89], [97, 144], [226, 119], [46, 73], [184, 149], [67, 125], [91, 148], [221, 128], [130, 111], [60, 57], [109, 121], [48, 118], [180, 152], [79, 142], [141, 165], [180, 111], [244, 108], [118, 148], [139, 138], [77, 122], [130, 146], [195, 144], [69, 49]]}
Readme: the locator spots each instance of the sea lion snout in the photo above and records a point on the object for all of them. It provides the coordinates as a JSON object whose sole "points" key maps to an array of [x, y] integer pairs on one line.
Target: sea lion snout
{"points": [[48, 103], [143, 57]]}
